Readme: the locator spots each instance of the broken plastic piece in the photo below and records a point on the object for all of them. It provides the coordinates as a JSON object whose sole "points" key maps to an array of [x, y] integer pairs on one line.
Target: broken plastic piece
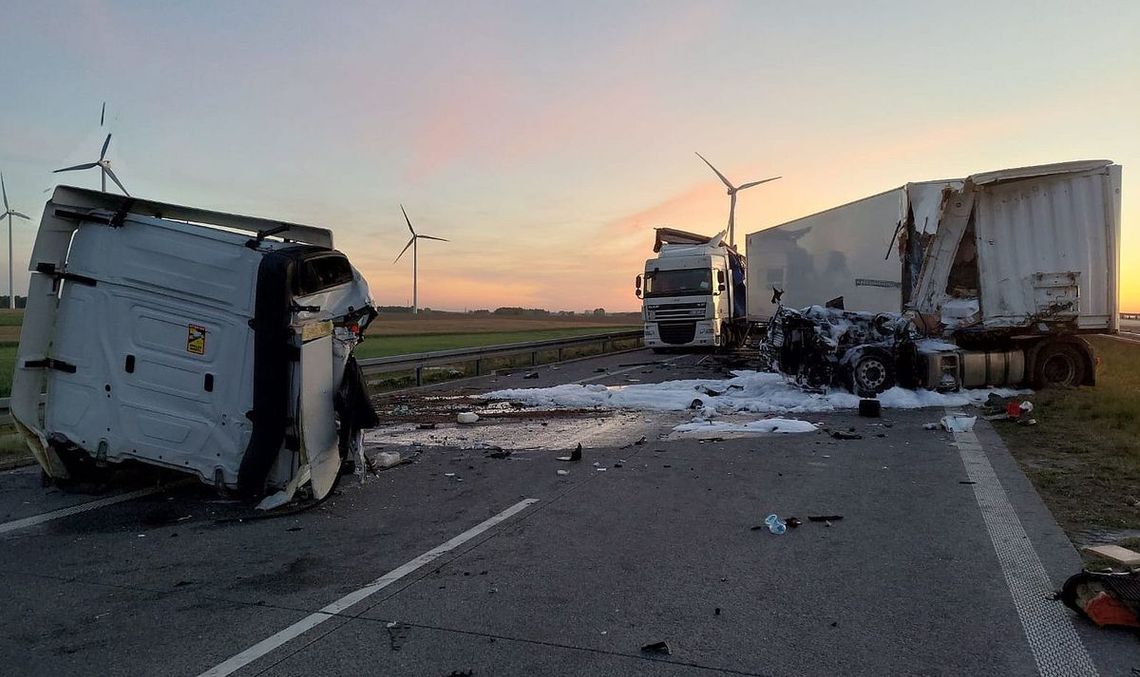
{"points": [[958, 423], [658, 647], [824, 518], [562, 472]]}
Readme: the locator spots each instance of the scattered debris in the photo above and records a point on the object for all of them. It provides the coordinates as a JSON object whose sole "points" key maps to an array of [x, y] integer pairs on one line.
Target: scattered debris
{"points": [[396, 635], [845, 435], [575, 455], [658, 647], [467, 417], [498, 452], [533, 374], [930, 426], [716, 612], [824, 518], [1104, 598], [870, 407], [775, 524], [966, 482], [562, 472], [640, 441], [958, 423], [426, 426], [600, 469], [794, 522], [383, 460], [1128, 558], [449, 474]]}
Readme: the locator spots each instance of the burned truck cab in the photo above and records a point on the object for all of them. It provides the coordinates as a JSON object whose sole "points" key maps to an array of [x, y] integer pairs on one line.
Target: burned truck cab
{"points": [[209, 343]]}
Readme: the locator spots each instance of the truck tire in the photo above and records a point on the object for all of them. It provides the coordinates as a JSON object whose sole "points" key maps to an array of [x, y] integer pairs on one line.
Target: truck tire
{"points": [[872, 373], [1059, 364]]}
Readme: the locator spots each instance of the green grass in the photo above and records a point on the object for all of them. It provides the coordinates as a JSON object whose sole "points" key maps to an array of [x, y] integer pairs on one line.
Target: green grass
{"points": [[384, 346], [7, 364], [11, 318], [1083, 455]]}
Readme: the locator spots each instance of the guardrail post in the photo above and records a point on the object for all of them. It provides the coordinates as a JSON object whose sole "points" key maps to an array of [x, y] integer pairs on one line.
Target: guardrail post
{"points": [[607, 345], [478, 367], [534, 358], [419, 376], [559, 354]]}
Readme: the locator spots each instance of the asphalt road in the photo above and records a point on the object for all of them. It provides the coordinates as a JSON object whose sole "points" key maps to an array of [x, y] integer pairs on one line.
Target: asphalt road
{"points": [[575, 581]]}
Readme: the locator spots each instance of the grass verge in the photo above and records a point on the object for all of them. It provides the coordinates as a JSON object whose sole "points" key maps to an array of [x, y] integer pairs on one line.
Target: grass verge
{"points": [[1083, 456]]}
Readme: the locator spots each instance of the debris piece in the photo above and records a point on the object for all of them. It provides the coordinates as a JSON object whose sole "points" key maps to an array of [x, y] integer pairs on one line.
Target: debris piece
{"points": [[384, 459], [562, 472], [775, 524], [794, 522], [658, 647], [844, 435], [498, 452], [533, 374], [716, 612], [426, 426], [966, 482], [396, 635], [600, 469], [575, 455], [600, 370], [449, 474], [996, 417], [696, 403], [1103, 598], [640, 441], [618, 464], [1026, 421], [467, 417], [1116, 553], [824, 518], [958, 423], [870, 407], [930, 426]]}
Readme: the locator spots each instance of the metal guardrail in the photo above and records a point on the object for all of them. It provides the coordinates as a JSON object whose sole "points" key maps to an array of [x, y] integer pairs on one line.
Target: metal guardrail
{"points": [[1130, 316], [417, 362]]}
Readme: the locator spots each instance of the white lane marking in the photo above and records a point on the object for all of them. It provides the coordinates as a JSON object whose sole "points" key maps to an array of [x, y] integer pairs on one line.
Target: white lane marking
{"points": [[314, 619], [1056, 647], [32, 521]]}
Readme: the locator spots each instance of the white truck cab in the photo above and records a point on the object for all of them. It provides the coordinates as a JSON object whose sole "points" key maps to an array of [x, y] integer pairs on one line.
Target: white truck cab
{"points": [[689, 299], [209, 343]]}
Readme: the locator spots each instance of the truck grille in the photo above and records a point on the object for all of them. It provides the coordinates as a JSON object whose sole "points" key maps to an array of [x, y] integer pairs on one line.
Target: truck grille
{"points": [[677, 311], [677, 333]]}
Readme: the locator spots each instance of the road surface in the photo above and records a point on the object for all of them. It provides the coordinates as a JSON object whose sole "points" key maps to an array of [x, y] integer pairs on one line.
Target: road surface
{"points": [[460, 563]]}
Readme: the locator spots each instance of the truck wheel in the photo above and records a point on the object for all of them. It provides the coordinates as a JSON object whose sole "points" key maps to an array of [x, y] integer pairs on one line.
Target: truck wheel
{"points": [[1059, 365], [872, 374]]}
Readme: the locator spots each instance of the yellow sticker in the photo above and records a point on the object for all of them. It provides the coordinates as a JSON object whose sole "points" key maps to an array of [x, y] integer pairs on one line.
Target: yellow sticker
{"points": [[196, 340], [316, 330]]}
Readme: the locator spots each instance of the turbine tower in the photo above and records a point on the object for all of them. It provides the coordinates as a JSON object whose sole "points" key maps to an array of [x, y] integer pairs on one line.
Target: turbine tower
{"points": [[104, 166], [9, 212], [415, 258], [732, 190]]}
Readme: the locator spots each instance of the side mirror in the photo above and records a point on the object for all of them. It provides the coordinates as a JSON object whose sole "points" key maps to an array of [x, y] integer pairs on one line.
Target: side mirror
{"points": [[637, 281], [720, 278], [721, 287]]}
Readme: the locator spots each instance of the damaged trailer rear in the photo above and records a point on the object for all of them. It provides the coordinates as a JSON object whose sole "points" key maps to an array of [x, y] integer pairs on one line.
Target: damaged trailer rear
{"points": [[1011, 266], [208, 343]]}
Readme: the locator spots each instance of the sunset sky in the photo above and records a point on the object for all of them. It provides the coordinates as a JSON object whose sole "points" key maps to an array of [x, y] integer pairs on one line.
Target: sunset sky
{"points": [[545, 139]]}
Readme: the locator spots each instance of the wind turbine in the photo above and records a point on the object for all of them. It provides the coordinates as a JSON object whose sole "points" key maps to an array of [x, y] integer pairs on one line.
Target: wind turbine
{"points": [[9, 212], [104, 166], [415, 257], [732, 190]]}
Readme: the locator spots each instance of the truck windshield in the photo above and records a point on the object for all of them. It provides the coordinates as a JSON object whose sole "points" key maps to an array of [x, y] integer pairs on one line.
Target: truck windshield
{"points": [[678, 282]]}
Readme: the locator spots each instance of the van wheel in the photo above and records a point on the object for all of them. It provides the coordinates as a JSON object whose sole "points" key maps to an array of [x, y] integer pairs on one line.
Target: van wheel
{"points": [[872, 374], [1059, 365]]}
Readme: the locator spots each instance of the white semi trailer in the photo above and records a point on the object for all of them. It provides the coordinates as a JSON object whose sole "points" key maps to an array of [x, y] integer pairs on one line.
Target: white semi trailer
{"points": [[1012, 266]]}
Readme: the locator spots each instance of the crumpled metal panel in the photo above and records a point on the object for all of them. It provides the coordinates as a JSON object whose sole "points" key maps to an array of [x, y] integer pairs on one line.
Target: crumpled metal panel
{"points": [[1043, 240]]}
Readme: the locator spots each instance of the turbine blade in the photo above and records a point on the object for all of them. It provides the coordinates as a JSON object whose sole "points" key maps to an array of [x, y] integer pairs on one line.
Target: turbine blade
{"points": [[102, 113], [408, 220], [429, 237], [722, 177], [5, 191], [116, 180], [405, 248], [89, 165], [757, 183], [22, 216], [103, 152]]}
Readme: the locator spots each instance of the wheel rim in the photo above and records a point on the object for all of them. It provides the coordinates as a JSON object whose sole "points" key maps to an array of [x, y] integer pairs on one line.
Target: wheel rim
{"points": [[872, 374], [1059, 369]]}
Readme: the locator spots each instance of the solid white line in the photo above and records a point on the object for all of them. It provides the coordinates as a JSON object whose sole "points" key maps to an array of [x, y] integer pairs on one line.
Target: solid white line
{"points": [[32, 521], [1056, 647], [311, 621]]}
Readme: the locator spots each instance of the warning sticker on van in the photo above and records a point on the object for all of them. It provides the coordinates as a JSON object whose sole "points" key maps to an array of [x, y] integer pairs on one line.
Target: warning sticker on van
{"points": [[196, 340]]}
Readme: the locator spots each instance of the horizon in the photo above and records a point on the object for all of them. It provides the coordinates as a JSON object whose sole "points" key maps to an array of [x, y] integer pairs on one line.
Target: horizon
{"points": [[551, 131]]}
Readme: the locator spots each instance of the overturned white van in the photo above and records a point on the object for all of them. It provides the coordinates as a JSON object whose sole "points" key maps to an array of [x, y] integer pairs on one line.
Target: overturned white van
{"points": [[210, 343]]}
